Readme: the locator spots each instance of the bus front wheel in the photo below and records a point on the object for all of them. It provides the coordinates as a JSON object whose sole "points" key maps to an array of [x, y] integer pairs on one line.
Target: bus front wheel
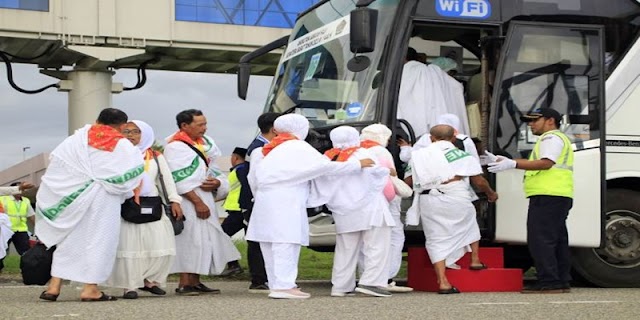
{"points": [[617, 263]]}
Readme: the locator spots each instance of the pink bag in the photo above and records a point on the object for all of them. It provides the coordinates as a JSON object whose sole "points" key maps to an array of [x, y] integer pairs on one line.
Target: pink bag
{"points": [[389, 191]]}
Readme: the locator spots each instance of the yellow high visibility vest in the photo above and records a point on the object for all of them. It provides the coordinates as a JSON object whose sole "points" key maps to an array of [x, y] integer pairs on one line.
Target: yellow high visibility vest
{"points": [[556, 181], [17, 216], [232, 203]]}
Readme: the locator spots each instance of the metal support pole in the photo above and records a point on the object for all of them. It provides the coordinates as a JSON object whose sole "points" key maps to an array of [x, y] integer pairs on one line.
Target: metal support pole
{"points": [[89, 93]]}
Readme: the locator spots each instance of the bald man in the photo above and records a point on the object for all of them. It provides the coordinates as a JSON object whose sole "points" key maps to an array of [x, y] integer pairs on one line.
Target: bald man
{"points": [[444, 204]]}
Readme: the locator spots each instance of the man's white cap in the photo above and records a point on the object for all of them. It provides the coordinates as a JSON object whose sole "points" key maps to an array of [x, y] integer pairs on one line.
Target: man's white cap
{"points": [[449, 119], [344, 137], [376, 132], [295, 124]]}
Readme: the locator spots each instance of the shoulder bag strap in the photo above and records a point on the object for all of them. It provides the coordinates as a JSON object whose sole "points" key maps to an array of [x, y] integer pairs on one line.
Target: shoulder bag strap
{"points": [[198, 152], [164, 188]]}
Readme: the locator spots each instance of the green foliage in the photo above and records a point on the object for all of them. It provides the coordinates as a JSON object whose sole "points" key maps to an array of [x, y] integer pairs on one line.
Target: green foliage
{"points": [[157, 146]]}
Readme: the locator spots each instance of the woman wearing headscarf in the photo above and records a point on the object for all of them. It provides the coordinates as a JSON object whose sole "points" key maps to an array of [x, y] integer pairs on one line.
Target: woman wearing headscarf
{"points": [[362, 218], [280, 178], [146, 250], [375, 138]]}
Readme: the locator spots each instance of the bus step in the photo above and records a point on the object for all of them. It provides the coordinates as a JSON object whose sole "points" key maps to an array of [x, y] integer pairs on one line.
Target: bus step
{"points": [[422, 277]]}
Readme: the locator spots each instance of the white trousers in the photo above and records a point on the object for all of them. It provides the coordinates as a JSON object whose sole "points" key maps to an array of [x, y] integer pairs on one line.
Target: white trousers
{"points": [[281, 264], [374, 245], [395, 251]]}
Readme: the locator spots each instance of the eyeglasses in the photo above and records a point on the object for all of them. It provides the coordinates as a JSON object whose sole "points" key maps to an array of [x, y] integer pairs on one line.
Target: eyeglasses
{"points": [[128, 132]]}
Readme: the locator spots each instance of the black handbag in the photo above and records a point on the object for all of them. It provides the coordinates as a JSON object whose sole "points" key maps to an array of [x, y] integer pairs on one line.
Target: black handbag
{"points": [[149, 210], [35, 264], [178, 225]]}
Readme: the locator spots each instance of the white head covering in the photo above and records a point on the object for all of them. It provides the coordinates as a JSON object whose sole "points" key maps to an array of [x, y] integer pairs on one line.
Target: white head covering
{"points": [[376, 132], [295, 124], [449, 119], [147, 137], [344, 137]]}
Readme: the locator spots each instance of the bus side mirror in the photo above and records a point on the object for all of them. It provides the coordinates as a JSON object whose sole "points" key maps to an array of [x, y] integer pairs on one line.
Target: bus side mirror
{"points": [[244, 73], [364, 23]]}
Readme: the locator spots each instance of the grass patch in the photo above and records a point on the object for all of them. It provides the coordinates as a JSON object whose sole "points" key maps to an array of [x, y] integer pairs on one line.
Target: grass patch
{"points": [[312, 266], [11, 264]]}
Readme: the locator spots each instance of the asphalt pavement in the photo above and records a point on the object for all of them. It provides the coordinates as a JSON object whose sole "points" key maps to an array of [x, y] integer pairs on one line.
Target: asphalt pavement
{"points": [[21, 302]]}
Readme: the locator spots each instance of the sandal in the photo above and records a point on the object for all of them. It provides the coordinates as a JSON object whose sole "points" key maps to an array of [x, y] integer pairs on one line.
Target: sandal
{"points": [[48, 296], [155, 290], [103, 297], [452, 290], [481, 266]]}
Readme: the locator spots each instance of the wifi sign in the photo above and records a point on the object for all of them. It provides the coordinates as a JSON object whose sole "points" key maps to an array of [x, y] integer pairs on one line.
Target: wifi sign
{"points": [[466, 9]]}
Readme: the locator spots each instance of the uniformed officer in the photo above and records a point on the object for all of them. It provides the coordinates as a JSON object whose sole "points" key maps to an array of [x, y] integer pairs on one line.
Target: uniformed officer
{"points": [[548, 183], [19, 210]]}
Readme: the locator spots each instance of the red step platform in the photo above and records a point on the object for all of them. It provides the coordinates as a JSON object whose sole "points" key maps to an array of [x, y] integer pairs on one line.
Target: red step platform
{"points": [[422, 277]]}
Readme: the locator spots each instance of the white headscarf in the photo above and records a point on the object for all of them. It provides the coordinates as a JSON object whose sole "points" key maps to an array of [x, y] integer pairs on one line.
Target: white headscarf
{"points": [[344, 137], [376, 132], [295, 124], [449, 119], [147, 137]]}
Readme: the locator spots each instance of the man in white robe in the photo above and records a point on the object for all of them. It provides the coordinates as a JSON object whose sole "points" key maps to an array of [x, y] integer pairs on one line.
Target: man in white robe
{"points": [[362, 218], [78, 203], [426, 91], [280, 177], [375, 138], [443, 202], [202, 248]]}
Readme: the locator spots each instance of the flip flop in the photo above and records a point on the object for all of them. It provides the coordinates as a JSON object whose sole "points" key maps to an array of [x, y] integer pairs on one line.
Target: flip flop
{"points": [[452, 290], [482, 266], [103, 297], [48, 296]]}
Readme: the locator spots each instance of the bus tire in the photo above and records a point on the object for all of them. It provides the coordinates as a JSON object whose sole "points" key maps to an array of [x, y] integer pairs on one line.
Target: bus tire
{"points": [[617, 263]]}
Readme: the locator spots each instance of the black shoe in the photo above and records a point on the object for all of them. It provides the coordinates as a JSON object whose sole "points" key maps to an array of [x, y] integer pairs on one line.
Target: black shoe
{"points": [[232, 271], [187, 291], [155, 290], [130, 295], [258, 288], [543, 288], [204, 289]]}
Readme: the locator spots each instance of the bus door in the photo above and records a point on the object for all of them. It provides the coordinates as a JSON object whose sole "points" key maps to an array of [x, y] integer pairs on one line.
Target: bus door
{"points": [[559, 66]]}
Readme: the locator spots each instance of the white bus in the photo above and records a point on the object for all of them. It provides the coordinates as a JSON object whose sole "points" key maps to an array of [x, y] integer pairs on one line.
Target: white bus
{"points": [[342, 64]]}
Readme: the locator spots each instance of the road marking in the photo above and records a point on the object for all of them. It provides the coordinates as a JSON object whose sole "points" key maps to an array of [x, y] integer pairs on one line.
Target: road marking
{"points": [[582, 302], [498, 303], [20, 287]]}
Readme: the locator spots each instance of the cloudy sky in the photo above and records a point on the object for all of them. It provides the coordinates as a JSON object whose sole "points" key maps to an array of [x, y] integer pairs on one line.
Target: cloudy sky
{"points": [[40, 121]]}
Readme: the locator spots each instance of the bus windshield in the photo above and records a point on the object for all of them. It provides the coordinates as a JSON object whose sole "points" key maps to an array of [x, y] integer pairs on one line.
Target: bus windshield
{"points": [[313, 79]]}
